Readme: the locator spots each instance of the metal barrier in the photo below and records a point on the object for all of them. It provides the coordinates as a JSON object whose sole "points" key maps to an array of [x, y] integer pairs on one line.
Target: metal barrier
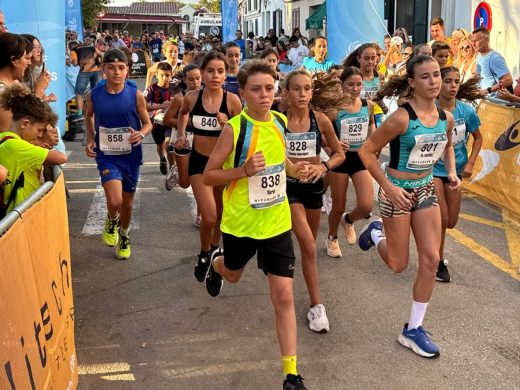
{"points": [[13, 215]]}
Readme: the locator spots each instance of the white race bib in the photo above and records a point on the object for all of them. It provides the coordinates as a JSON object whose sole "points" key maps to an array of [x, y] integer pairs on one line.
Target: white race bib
{"points": [[300, 145], [354, 130], [427, 150], [368, 93], [458, 134], [115, 140], [267, 188], [189, 139], [208, 123], [155, 50]]}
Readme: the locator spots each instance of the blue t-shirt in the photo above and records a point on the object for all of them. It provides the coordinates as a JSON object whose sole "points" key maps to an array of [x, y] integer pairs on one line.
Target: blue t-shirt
{"points": [[231, 84], [491, 67], [466, 121], [310, 64], [242, 43], [113, 111], [155, 47]]}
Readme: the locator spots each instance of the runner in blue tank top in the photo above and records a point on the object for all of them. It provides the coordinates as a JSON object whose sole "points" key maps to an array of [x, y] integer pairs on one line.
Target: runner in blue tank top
{"points": [[466, 122], [418, 133], [354, 122], [117, 122]]}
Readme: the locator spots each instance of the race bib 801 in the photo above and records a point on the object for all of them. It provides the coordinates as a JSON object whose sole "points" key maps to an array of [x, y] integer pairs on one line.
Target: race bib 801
{"points": [[427, 150]]}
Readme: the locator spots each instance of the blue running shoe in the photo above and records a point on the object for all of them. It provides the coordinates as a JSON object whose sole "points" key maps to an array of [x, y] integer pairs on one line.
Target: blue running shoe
{"points": [[365, 240], [419, 342]]}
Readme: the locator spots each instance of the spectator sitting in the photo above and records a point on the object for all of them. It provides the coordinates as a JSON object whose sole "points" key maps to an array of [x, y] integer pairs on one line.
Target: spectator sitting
{"points": [[31, 116], [491, 66]]}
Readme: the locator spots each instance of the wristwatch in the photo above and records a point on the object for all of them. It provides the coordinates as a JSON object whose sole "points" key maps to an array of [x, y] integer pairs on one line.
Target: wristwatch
{"points": [[141, 134]]}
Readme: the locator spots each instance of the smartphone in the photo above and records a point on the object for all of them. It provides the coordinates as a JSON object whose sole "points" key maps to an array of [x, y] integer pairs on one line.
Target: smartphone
{"points": [[43, 67]]}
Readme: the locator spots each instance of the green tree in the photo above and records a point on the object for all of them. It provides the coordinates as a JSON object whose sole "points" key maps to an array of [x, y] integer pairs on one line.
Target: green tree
{"points": [[210, 5], [90, 8]]}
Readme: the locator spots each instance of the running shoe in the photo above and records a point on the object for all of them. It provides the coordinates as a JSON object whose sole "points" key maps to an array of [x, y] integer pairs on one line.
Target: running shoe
{"points": [[123, 248], [214, 280], [171, 178], [350, 232], [293, 382], [163, 165], [419, 342], [442, 272], [318, 321], [365, 240], [201, 268], [332, 246], [111, 232]]}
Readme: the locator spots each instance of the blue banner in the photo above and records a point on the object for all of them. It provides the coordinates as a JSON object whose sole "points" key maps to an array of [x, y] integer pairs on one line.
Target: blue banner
{"points": [[73, 18], [47, 23], [349, 27], [229, 12]]}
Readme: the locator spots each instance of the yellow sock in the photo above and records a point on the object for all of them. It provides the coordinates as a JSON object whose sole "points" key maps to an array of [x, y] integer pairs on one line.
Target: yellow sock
{"points": [[289, 365]]}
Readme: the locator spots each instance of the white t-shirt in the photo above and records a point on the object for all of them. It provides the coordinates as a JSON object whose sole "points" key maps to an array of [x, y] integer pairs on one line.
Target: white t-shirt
{"points": [[296, 55]]}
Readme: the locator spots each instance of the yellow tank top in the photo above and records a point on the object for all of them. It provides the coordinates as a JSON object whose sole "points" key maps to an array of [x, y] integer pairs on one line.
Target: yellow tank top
{"points": [[257, 206]]}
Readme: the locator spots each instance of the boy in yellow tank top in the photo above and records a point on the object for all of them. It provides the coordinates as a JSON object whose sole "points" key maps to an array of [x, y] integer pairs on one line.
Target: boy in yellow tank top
{"points": [[249, 158]]}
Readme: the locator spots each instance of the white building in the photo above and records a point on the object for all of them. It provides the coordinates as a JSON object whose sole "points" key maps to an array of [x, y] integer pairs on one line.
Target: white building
{"points": [[259, 16], [297, 14]]}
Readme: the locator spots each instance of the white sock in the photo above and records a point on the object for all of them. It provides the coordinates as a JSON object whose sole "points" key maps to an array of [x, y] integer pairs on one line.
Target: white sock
{"points": [[417, 314], [377, 235], [124, 232], [114, 218]]}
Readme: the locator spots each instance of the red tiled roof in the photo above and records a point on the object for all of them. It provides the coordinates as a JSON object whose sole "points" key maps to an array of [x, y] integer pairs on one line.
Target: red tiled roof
{"points": [[146, 8]]}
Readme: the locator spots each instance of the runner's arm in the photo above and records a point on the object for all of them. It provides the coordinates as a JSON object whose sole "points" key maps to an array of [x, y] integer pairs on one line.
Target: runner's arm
{"points": [[337, 155], [475, 149], [449, 156], [187, 105], [146, 125], [214, 174], [89, 124], [171, 115]]}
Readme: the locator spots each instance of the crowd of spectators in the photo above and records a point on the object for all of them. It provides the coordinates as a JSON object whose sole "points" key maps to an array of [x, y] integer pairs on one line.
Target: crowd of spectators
{"points": [[28, 132]]}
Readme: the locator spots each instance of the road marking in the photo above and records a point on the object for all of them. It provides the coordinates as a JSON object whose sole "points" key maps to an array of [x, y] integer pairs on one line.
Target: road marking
{"points": [[97, 212], [220, 369], [482, 221], [485, 253], [119, 377], [103, 368]]}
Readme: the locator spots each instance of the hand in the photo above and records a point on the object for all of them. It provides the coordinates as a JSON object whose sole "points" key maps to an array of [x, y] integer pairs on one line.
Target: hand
{"points": [[254, 164], [315, 171], [50, 136], [222, 119], [468, 170], [89, 149], [165, 104], [454, 182], [181, 141], [483, 92], [135, 138], [51, 98], [399, 197], [504, 94], [43, 81], [345, 145]]}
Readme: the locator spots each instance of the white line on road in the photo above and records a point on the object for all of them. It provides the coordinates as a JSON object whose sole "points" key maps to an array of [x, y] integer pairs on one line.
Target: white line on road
{"points": [[97, 212]]}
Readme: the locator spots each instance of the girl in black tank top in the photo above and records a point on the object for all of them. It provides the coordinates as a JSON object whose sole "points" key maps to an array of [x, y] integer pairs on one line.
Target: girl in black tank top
{"points": [[305, 198], [204, 123]]}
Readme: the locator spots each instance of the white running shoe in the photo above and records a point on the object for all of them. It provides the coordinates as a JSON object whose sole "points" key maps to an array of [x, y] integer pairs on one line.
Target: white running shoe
{"points": [[332, 246], [350, 232], [318, 321], [171, 178]]}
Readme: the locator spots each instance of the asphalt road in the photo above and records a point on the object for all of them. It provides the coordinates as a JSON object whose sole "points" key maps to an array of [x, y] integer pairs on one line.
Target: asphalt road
{"points": [[146, 323]]}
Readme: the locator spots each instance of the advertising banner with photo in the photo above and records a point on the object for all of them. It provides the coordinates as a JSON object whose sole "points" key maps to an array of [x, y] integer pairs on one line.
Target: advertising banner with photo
{"points": [[229, 12], [496, 175], [45, 20], [345, 32]]}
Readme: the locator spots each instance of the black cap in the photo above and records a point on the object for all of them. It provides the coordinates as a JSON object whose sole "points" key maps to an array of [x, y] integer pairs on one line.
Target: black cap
{"points": [[114, 55], [189, 46]]}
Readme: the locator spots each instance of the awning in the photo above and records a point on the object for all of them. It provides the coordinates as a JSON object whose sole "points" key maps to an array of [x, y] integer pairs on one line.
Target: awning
{"points": [[315, 21]]}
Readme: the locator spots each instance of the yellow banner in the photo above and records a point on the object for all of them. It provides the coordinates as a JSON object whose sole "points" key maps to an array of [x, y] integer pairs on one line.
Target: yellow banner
{"points": [[497, 170], [37, 349]]}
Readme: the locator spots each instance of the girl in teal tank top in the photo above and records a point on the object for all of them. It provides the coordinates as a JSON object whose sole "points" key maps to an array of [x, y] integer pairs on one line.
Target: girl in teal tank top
{"points": [[354, 122], [407, 196]]}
